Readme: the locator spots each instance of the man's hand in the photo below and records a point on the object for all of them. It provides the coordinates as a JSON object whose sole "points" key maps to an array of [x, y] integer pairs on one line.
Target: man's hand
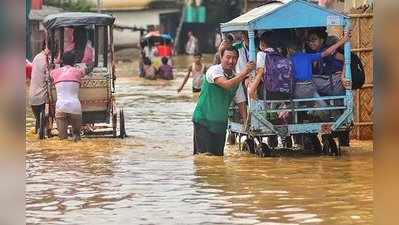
{"points": [[347, 35], [249, 67]]}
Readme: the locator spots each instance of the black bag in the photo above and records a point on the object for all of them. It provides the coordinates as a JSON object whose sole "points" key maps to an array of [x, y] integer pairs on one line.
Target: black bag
{"points": [[357, 70]]}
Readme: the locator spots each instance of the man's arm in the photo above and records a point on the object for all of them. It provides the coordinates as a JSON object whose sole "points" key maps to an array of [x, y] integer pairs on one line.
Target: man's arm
{"points": [[334, 47], [230, 83]]}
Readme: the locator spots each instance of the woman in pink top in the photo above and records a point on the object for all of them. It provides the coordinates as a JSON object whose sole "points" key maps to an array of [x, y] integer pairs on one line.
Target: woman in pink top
{"points": [[68, 108]]}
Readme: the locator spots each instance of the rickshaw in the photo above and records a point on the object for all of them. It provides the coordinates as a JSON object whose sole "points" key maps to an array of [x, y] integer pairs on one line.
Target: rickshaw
{"points": [[155, 46], [278, 16], [100, 115]]}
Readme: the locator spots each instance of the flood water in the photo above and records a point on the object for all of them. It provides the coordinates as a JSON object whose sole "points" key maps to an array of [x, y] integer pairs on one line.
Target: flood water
{"points": [[151, 177]]}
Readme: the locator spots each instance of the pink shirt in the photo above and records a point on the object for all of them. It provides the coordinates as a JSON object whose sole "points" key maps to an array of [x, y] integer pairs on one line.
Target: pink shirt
{"points": [[67, 73]]}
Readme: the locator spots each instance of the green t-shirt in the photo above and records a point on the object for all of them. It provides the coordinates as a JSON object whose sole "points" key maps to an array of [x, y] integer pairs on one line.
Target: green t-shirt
{"points": [[212, 106]]}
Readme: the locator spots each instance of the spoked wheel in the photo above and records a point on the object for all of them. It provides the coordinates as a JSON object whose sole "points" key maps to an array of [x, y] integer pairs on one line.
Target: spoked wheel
{"points": [[231, 138], [122, 130], [330, 146], [249, 146], [272, 141], [42, 125], [287, 142], [312, 144], [263, 150]]}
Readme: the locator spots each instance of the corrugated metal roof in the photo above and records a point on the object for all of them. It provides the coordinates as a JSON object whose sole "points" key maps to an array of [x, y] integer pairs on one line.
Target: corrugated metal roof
{"points": [[258, 12], [285, 14]]}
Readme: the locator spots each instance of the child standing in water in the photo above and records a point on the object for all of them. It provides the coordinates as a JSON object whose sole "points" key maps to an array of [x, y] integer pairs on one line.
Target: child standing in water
{"points": [[197, 69], [165, 70], [150, 71]]}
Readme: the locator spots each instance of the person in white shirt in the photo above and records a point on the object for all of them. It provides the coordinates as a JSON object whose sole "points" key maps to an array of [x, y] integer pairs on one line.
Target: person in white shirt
{"points": [[38, 89]]}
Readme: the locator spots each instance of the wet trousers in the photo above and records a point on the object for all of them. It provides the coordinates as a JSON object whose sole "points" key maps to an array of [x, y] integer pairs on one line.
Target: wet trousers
{"points": [[65, 119], [37, 109], [208, 142]]}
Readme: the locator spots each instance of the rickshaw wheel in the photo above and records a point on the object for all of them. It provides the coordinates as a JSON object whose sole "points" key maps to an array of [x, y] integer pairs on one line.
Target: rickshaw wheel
{"points": [[114, 120], [272, 141], [231, 138], [122, 131], [249, 146], [263, 150], [329, 145], [287, 142], [42, 125]]}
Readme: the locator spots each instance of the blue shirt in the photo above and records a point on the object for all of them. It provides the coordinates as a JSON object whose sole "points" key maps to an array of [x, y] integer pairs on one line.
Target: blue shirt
{"points": [[328, 65], [302, 63]]}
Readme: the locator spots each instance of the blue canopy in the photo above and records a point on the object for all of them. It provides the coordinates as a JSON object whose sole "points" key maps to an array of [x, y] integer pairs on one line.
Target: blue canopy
{"points": [[285, 14]]}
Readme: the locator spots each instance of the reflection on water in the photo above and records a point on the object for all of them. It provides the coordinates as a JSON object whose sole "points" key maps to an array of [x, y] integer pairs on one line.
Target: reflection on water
{"points": [[152, 178]]}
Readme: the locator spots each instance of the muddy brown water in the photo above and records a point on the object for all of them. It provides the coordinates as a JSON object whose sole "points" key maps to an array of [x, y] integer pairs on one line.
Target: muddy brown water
{"points": [[151, 177]]}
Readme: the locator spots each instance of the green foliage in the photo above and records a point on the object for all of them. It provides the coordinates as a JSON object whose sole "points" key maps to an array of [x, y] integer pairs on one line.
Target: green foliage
{"points": [[70, 5]]}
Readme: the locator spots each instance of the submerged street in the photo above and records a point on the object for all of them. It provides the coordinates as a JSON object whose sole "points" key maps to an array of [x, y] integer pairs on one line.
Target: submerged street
{"points": [[151, 177]]}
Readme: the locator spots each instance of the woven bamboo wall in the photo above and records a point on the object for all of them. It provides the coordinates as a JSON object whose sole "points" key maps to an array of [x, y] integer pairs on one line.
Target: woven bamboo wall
{"points": [[362, 45]]}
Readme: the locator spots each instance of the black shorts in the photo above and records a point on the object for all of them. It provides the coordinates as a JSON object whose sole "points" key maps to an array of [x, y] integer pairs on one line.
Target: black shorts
{"points": [[196, 89], [208, 142]]}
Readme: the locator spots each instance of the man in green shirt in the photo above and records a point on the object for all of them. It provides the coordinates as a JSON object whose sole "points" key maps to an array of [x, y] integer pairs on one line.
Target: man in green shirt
{"points": [[219, 88]]}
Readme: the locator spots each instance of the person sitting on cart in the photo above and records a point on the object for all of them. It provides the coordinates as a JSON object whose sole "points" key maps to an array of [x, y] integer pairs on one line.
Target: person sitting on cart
{"points": [[243, 54], [329, 72], [304, 86], [76, 41], [221, 86], [165, 70], [197, 69], [150, 72], [276, 88], [68, 108]]}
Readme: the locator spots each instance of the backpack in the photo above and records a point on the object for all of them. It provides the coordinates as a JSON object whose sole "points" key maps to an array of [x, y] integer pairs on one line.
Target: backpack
{"points": [[278, 73], [357, 70]]}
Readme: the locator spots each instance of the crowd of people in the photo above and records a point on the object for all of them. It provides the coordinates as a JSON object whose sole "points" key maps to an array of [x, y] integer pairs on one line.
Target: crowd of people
{"points": [[305, 66]]}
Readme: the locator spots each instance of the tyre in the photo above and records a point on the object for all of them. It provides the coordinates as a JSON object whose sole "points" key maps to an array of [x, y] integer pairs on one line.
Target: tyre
{"points": [[287, 142], [272, 141], [249, 146], [122, 130], [329, 145], [42, 125], [263, 150]]}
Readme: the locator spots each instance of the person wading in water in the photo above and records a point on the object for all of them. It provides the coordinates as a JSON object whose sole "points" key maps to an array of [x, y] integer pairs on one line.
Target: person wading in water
{"points": [[221, 86]]}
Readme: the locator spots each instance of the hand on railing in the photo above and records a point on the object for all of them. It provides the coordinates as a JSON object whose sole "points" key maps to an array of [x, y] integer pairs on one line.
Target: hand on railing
{"points": [[347, 84]]}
